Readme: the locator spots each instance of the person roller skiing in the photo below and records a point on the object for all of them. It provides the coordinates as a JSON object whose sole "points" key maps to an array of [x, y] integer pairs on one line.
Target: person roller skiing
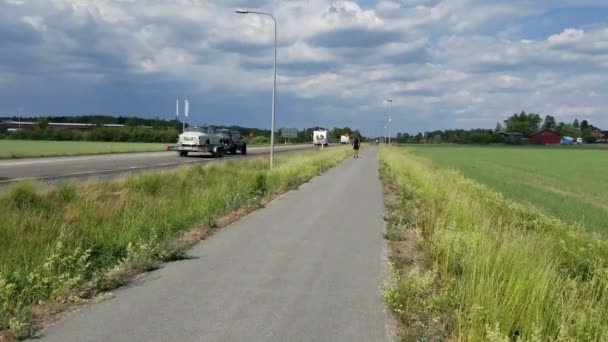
{"points": [[356, 145]]}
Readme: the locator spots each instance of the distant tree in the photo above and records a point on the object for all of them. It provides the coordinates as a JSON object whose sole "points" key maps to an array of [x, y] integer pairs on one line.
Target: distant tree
{"points": [[570, 130], [589, 139], [523, 123], [499, 127], [576, 123], [437, 139], [549, 123], [131, 122], [259, 140], [43, 123], [3, 128], [337, 132], [559, 128]]}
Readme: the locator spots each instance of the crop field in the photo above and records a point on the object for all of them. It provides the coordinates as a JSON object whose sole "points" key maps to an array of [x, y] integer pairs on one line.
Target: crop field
{"points": [[31, 148], [64, 245], [471, 264], [569, 183]]}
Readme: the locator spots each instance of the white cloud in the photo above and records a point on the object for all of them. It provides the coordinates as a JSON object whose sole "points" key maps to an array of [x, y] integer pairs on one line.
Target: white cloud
{"points": [[444, 62], [36, 22]]}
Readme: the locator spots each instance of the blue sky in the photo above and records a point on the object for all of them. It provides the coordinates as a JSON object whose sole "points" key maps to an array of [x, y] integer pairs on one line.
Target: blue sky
{"points": [[445, 63]]}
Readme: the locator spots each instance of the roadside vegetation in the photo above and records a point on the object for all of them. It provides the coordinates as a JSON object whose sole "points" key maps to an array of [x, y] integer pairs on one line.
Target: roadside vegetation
{"points": [[469, 264], [65, 246], [569, 183], [137, 130], [33, 149], [523, 123]]}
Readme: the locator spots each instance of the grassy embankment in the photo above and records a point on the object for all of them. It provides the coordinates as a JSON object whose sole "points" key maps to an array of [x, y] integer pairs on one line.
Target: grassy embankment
{"points": [[569, 183], [33, 149], [67, 245], [492, 268]]}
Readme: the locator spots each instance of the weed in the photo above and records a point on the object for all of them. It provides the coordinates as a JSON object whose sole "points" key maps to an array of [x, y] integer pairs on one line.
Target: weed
{"points": [[67, 192], [24, 196]]}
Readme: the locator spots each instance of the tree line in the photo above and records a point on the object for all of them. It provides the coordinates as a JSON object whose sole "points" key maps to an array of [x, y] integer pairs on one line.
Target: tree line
{"points": [[526, 124], [142, 130], [100, 120]]}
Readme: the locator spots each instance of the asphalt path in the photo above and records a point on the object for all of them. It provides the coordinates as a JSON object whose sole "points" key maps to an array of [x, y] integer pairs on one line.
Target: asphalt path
{"points": [[107, 165], [308, 267]]}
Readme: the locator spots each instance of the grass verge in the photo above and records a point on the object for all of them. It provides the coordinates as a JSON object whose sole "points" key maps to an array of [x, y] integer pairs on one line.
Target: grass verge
{"points": [[11, 149], [65, 246], [496, 270]]}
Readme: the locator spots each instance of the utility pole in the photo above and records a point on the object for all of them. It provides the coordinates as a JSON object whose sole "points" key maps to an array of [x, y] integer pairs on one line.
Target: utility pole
{"points": [[186, 112], [390, 119]]}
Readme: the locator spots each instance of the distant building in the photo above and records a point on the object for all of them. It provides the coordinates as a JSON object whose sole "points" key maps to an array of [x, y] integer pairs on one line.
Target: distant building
{"points": [[545, 137], [596, 133], [512, 137], [604, 137]]}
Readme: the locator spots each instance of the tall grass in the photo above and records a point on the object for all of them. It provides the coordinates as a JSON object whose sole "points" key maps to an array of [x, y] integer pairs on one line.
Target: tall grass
{"points": [[53, 244], [500, 270]]}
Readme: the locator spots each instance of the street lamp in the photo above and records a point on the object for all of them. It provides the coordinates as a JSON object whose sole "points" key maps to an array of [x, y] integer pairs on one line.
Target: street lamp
{"points": [[274, 86], [389, 120], [385, 132]]}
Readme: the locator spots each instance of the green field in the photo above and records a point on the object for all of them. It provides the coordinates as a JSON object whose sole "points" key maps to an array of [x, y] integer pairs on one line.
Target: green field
{"points": [[470, 264], [29, 148], [569, 183]]}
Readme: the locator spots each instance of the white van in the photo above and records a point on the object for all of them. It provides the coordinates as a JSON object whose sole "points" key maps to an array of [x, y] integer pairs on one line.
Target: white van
{"points": [[320, 138]]}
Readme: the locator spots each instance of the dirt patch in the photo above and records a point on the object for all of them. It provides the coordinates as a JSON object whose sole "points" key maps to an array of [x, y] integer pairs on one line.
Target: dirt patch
{"points": [[409, 254], [6, 337], [414, 283]]}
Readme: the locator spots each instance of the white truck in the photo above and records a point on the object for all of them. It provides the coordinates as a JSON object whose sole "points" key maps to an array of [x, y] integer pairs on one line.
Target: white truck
{"points": [[345, 139], [320, 137], [200, 140]]}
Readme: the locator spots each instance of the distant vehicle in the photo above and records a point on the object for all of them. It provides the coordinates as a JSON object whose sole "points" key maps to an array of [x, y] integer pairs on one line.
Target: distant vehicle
{"points": [[345, 139], [320, 138], [579, 141], [233, 142], [201, 140], [567, 141]]}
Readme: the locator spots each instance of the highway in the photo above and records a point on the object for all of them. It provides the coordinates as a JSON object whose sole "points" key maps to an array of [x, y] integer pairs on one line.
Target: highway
{"points": [[307, 267], [108, 165]]}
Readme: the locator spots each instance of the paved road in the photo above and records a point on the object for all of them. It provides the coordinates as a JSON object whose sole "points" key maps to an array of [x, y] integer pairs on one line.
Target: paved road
{"points": [[109, 164], [308, 267]]}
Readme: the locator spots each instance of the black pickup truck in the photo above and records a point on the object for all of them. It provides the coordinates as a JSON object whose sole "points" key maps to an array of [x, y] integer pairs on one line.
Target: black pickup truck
{"points": [[233, 142]]}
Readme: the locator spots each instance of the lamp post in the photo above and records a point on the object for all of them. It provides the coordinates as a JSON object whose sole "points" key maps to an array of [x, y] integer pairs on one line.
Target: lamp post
{"points": [[385, 132], [274, 86], [389, 119]]}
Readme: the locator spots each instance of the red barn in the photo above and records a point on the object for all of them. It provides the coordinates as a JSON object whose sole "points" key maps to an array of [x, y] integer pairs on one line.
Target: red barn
{"points": [[545, 137]]}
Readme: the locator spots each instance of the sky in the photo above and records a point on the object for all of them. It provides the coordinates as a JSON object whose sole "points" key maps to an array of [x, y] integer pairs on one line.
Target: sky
{"points": [[444, 63]]}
